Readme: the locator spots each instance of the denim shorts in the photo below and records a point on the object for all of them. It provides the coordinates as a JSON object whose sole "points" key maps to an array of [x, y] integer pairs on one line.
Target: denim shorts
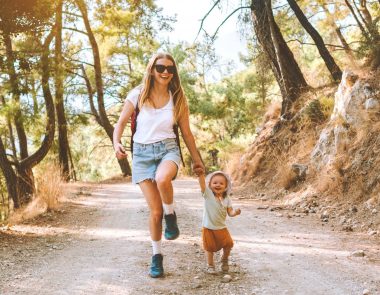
{"points": [[147, 157]]}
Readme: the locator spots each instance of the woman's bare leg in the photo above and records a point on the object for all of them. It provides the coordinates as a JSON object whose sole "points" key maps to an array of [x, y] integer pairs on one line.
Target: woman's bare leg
{"points": [[152, 197], [164, 176]]}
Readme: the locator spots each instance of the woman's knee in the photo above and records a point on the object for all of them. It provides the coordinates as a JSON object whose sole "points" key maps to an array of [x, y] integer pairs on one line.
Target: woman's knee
{"points": [[163, 181]]}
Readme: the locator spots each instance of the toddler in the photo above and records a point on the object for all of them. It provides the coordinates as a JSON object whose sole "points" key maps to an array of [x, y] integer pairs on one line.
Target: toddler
{"points": [[217, 205]]}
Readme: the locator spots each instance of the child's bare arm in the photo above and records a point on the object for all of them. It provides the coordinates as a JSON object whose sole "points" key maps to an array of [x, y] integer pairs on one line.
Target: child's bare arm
{"points": [[202, 182], [231, 212]]}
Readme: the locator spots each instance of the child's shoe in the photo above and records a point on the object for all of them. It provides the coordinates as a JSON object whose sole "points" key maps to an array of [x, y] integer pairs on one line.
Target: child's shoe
{"points": [[211, 270], [156, 269], [171, 227], [225, 267]]}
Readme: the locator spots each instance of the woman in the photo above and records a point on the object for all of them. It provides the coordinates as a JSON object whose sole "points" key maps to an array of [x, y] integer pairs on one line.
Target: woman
{"points": [[156, 156]]}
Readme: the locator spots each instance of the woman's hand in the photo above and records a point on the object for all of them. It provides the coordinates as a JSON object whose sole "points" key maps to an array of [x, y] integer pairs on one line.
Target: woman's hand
{"points": [[198, 168], [120, 151]]}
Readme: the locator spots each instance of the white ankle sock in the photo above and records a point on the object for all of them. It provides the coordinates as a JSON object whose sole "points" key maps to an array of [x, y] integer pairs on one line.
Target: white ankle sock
{"points": [[168, 208], [156, 247]]}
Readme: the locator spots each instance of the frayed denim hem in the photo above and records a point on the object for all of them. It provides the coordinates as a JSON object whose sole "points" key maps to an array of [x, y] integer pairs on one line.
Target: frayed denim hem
{"points": [[152, 179]]}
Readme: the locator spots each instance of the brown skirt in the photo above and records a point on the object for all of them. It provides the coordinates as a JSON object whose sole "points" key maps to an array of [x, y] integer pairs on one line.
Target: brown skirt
{"points": [[214, 240]]}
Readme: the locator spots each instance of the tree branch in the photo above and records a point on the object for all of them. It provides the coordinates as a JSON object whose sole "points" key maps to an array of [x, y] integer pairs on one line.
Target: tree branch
{"points": [[232, 13], [72, 14], [75, 30], [312, 44], [204, 18]]}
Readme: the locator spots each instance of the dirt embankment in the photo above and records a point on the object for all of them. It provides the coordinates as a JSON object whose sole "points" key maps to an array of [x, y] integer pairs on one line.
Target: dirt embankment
{"points": [[326, 159]]}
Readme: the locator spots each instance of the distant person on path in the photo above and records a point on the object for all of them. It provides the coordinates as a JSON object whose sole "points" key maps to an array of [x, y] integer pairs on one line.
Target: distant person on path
{"points": [[217, 204], [160, 106]]}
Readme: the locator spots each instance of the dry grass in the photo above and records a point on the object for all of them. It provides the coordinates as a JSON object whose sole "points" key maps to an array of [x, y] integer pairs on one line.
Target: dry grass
{"points": [[233, 164], [329, 182], [327, 105], [254, 164], [340, 163], [49, 191], [286, 177], [273, 112], [49, 185]]}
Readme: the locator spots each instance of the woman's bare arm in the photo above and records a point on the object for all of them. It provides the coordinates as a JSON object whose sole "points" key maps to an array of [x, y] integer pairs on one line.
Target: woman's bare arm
{"points": [[126, 113], [184, 125]]}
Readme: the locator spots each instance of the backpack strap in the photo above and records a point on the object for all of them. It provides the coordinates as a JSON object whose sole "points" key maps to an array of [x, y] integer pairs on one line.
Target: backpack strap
{"points": [[177, 139]]}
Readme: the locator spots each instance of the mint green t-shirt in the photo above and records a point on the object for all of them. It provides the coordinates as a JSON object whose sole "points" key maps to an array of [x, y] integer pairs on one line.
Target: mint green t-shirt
{"points": [[215, 211]]}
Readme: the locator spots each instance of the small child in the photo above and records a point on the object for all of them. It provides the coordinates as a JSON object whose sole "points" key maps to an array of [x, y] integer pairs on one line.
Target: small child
{"points": [[217, 205]]}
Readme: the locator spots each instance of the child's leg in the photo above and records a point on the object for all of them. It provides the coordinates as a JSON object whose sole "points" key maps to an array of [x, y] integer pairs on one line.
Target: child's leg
{"points": [[210, 263], [210, 258], [226, 253]]}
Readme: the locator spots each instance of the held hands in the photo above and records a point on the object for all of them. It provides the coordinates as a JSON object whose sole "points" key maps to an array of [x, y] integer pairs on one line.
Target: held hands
{"points": [[198, 168], [120, 151]]}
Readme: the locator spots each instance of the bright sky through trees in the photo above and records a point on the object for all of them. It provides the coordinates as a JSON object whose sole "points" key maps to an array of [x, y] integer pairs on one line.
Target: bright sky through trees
{"points": [[189, 14]]}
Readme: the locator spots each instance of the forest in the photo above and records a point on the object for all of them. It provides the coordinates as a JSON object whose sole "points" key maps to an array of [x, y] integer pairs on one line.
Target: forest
{"points": [[66, 67]]}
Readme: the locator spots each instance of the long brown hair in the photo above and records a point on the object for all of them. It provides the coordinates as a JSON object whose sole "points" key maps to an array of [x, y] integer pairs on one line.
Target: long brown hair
{"points": [[179, 98]]}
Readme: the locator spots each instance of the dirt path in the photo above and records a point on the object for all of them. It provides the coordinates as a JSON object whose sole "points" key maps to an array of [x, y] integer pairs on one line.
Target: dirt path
{"points": [[100, 245]]}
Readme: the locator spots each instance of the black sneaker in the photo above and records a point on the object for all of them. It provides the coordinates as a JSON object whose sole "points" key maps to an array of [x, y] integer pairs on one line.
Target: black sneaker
{"points": [[156, 269], [171, 228]]}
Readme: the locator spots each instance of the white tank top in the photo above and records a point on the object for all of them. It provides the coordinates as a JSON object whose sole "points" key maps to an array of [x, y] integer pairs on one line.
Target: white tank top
{"points": [[153, 125]]}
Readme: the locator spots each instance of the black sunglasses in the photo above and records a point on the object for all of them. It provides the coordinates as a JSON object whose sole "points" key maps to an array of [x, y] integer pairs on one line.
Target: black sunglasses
{"points": [[161, 68]]}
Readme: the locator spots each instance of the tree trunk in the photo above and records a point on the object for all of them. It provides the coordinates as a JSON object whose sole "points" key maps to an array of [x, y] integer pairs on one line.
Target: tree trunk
{"points": [[285, 68], [361, 16], [365, 34], [10, 129], [26, 186], [366, 14], [63, 142], [24, 178], [47, 141], [10, 176], [343, 41], [333, 68], [105, 123], [338, 32], [13, 80], [371, 25], [90, 92], [73, 174]]}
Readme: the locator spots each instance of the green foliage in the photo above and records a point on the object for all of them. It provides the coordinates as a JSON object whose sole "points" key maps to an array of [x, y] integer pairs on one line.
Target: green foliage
{"points": [[314, 111], [128, 36], [92, 152], [18, 16], [224, 113]]}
